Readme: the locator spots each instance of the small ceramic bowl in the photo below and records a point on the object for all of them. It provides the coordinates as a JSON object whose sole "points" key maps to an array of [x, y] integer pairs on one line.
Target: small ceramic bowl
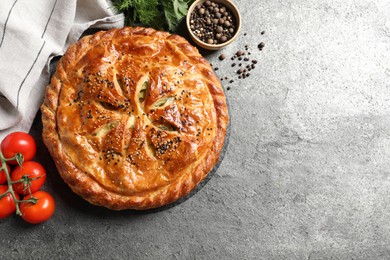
{"points": [[229, 5]]}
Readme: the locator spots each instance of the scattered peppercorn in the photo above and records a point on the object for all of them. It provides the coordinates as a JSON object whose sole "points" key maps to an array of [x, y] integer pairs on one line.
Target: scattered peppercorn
{"points": [[240, 53], [246, 65], [261, 45], [222, 57]]}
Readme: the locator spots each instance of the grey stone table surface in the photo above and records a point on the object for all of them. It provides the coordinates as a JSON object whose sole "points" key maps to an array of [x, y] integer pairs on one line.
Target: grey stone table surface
{"points": [[306, 174]]}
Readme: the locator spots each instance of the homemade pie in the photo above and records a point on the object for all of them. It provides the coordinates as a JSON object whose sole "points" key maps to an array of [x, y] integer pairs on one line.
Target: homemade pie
{"points": [[134, 118]]}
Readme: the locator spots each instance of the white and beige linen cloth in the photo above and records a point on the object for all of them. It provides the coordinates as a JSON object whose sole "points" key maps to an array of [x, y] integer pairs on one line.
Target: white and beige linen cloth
{"points": [[32, 32]]}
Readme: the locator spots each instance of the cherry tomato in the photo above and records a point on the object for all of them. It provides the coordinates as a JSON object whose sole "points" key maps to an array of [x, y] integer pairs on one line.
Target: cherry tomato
{"points": [[32, 170], [7, 204], [40, 211], [19, 142], [3, 177]]}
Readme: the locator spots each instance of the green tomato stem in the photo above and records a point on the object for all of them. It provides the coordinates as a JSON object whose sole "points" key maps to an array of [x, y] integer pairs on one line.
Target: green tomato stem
{"points": [[25, 179], [30, 200], [19, 158]]}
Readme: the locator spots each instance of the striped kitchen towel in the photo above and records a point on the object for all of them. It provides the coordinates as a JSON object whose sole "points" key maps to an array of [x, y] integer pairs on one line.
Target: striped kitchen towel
{"points": [[32, 32]]}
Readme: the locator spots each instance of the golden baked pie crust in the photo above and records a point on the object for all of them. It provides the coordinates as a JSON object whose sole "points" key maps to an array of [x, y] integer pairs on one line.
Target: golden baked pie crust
{"points": [[134, 118]]}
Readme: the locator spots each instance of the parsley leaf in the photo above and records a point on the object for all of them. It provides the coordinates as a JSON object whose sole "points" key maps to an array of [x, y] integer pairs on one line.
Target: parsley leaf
{"points": [[159, 14], [174, 11]]}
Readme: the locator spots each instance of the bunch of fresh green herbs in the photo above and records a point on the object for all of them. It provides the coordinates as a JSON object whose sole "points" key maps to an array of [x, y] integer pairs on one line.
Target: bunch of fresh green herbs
{"points": [[159, 14]]}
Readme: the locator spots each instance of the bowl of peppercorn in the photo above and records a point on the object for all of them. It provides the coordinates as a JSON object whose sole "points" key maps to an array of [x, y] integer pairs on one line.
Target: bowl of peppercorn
{"points": [[213, 24]]}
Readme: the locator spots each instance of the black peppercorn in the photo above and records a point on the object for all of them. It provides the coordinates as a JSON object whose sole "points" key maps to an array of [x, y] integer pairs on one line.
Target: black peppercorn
{"points": [[212, 23], [222, 57], [261, 45], [240, 53]]}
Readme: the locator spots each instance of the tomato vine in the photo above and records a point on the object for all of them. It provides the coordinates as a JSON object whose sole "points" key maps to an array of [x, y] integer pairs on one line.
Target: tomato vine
{"points": [[25, 180], [18, 157]]}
